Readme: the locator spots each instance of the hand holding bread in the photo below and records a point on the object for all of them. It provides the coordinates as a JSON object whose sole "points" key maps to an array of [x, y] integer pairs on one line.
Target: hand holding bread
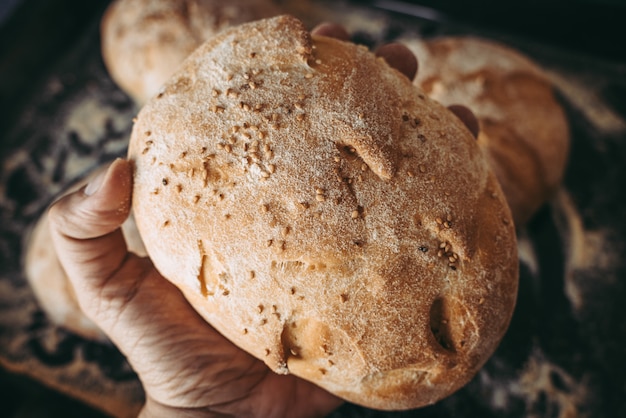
{"points": [[146, 317]]}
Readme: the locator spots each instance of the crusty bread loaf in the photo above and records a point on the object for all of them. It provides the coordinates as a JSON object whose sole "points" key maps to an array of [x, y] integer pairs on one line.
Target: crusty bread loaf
{"points": [[325, 215], [48, 279], [523, 129], [144, 41]]}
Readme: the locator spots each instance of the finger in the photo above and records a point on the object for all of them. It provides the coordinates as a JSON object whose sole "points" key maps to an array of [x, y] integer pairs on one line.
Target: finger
{"points": [[85, 224], [331, 30], [467, 117], [399, 57]]}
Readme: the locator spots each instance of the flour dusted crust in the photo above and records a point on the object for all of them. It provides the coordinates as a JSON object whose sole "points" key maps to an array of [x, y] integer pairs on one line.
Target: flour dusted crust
{"points": [[523, 129], [325, 215], [144, 41], [50, 283]]}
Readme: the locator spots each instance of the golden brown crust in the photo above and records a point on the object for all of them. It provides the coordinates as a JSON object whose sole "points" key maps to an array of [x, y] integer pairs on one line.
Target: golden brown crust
{"points": [[523, 129], [50, 283], [144, 41], [325, 215]]}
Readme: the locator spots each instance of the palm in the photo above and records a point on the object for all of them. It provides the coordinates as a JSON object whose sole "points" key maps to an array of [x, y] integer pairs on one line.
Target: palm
{"points": [[184, 363]]}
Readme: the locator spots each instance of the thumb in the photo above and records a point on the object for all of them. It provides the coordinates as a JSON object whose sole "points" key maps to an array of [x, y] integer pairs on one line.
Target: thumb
{"points": [[85, 226]]}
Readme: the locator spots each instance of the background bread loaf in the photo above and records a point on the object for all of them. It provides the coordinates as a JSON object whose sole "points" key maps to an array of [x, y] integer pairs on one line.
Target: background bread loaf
{"points": [[144, 41], [523, 129], [325, 215]]}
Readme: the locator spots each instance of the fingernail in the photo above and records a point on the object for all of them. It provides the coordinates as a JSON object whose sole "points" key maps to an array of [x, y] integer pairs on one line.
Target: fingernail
{"points": [[94, 185], [467, 117], [331, 30], [399, 57]]}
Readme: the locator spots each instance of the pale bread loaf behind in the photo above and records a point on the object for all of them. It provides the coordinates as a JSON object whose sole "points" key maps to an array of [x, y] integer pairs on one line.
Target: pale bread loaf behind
{"points": [[523, 129], [144, 41]]}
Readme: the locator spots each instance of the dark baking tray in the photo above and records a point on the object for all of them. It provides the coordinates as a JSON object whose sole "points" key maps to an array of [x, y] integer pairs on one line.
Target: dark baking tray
{"points": [[563, 355]]}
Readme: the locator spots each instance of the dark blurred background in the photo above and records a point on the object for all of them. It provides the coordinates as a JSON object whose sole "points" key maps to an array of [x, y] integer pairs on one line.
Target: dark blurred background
{"points": [[594, 27]]}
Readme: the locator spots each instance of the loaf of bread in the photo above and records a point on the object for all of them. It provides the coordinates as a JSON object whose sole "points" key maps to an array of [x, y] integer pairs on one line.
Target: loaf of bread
{"points": [[325, 215], [144, 41], [523, 129], [48, 280]]}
